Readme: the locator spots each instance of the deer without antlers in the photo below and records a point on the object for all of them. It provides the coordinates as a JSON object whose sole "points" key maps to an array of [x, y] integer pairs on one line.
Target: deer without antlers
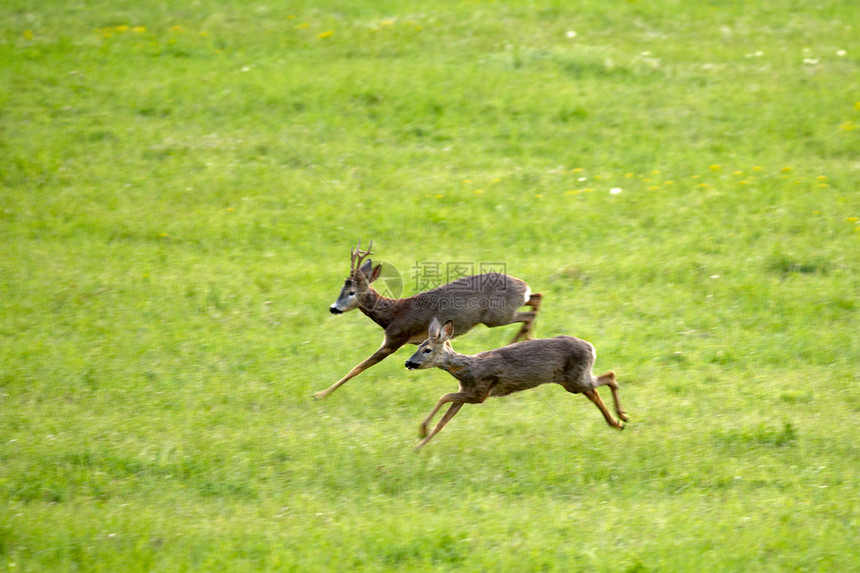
{"points": [[564, 360], [491, 299]]}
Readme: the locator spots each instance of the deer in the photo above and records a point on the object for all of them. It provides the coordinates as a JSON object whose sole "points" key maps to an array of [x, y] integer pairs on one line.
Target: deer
{"points": [[564, 360], [492, 299]]}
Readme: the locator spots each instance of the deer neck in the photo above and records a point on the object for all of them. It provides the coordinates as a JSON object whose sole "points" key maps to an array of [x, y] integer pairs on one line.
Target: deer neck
{"points": [[378, 308], [457, 365]]}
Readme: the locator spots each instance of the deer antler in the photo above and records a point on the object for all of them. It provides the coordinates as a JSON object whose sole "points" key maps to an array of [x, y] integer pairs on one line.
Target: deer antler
{"points": [[357, 256]]}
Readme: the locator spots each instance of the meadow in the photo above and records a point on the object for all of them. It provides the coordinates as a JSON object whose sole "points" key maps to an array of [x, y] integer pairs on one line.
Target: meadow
{"points": [[181, 187]]}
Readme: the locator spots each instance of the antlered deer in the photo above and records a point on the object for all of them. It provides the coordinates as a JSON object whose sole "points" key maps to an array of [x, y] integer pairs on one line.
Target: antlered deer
{"points": [[491, 299], [564, 360]]}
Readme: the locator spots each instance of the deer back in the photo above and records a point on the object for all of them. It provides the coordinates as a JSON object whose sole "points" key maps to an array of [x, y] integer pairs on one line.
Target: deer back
{"points": [[490, 298], [564, 360]]}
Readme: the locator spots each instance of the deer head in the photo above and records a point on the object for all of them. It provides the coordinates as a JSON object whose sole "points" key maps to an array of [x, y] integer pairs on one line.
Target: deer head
{"points": [[433, 351], [361, 274]]}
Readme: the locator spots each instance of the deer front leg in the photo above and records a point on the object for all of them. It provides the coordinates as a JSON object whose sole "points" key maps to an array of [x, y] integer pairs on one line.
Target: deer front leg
{"points": [[595, 397], [449, 397], [452, 411], [377, 356]]}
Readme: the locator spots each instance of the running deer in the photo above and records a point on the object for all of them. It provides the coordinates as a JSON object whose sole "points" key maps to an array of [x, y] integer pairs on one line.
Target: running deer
{"points": [[491, 299], [564, 360]]}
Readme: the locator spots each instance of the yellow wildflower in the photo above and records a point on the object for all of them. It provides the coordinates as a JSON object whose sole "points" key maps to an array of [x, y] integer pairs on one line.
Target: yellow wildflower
{"points": [[28, 34], [326, 34]]}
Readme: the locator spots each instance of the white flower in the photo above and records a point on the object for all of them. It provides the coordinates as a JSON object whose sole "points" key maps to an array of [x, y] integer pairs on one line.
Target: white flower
{"points": [[571, 34], [615, 191], [841, 53]]}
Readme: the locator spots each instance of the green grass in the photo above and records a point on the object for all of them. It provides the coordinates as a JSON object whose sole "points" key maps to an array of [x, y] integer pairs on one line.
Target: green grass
{"points": [[167, 262]]}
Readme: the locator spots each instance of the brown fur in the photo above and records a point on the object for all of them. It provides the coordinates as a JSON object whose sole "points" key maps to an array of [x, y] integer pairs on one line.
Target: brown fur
{"points": [[564, 360], [492, 299]]}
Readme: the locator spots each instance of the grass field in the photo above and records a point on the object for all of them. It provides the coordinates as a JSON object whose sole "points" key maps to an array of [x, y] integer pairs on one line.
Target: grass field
{"points": [[680, 181]]}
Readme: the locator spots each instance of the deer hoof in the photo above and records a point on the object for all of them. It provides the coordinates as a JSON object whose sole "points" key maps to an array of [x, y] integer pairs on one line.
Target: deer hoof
{"points": [[321, 395], [623, 416]]}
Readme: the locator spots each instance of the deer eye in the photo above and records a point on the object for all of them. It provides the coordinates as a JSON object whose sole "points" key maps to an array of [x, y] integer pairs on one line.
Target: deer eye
{"points": [[352, 293], [427, 351]]}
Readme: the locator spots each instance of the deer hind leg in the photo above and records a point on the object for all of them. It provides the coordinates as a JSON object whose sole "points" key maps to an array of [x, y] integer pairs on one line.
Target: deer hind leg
{"points": [[374, 358], [592, 395], [524, 333], [608, 379], [527, 318]]}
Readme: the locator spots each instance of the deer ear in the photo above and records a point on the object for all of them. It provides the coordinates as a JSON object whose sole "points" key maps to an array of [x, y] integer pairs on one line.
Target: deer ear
{"points": [[375, 273], [447, 332], [434, 328], [366, 268]]}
